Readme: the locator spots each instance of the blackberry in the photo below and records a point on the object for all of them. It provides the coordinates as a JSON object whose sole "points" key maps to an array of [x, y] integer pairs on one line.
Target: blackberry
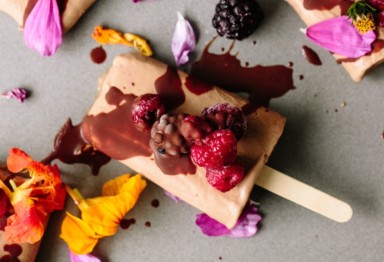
{"points": [[237, 19]]}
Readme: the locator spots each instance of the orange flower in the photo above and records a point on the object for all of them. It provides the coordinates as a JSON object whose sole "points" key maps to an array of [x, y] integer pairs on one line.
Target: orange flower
{"points": [[100, 216], [35, 194], [111, 36]]}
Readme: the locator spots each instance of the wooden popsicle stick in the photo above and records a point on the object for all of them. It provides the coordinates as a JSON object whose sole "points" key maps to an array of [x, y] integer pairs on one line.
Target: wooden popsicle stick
{"points": [[304, 195]]}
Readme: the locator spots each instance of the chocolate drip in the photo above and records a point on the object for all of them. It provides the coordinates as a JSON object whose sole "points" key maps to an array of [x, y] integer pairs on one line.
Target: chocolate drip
{"points": [[114, 133], [168, 86], [196, 86], [261, 82], [327, 5], [311, 56], [98, 55], [14, 251], [70, 147]]}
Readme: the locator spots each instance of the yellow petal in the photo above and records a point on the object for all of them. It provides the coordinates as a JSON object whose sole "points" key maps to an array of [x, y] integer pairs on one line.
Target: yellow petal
{"points": [[139, 43], [105, 216], [113, 186], [80, 238]]}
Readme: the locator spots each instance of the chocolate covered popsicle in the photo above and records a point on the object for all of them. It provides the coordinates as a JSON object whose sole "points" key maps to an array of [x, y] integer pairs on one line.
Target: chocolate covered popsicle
{"points": [[109, 128], [313, 12]]}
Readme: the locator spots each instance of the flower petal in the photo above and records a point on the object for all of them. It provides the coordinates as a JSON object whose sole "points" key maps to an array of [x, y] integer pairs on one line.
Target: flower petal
{"points": [[17, 160], [246, 225], [80, 238], [20, 94], [42, 29], [113, 186], [339, 36], [26, 225], [183, 41], [82, 258]]}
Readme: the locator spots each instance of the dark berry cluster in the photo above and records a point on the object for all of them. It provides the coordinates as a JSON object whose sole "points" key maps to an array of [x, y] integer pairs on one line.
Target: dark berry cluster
{"points": [[210, 139], [237, 19]]}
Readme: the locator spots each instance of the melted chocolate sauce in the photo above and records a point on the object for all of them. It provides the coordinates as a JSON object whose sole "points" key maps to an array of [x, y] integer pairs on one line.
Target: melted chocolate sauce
{"points": [[327, 5], [168, 86], [311, 56], [261, 82], [126, 223], [155, 203], [147, 224], [14, 251], [114, 133], [196, 86], [98, 55], [173, 165], [70, 147]]}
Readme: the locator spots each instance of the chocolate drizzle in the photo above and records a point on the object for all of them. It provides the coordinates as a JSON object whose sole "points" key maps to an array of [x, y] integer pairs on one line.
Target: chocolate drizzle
{"points": [[14, 251], [311, 56], [114, 133], [196, 86], [261, 82], [98, 55], [327, 5], [70, 147], [168, 86]]}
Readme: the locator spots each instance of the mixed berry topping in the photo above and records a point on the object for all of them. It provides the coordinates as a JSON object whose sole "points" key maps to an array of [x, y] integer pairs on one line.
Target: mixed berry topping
{"points": [[226, 116], [237, 19], [226, 177], [146, 110], [217, 149], [195, 128], [209, 140]]}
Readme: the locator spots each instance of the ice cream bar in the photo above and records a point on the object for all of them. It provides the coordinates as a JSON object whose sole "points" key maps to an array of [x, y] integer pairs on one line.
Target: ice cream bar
{"points": [[72, 10], [312, 12], [108, 127]]}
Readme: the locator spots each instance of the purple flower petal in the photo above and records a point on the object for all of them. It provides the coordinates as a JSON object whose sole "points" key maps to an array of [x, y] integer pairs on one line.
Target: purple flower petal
{"points": [[183, 41], [246, 226], [83, 258], [42, 29], [172, 196], [20, 94], [339, 36]]}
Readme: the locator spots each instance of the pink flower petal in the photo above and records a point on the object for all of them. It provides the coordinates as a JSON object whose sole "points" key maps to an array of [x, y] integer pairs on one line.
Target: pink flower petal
{"points": [[20, 94], [172, 196], [183, 41], [339, 36], [82, 258], [246, 225], [42, 29]]}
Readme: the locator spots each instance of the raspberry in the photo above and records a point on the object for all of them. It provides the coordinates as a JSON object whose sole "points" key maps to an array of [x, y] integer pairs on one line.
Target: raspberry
{"points": [[225, 178], [194, 129], [226, 116], [237, 19], [146, 109], [217, 149]]}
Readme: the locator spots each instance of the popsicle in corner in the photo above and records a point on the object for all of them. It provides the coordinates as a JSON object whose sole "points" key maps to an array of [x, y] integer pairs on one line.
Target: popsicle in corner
{"points": [[109, 128]]}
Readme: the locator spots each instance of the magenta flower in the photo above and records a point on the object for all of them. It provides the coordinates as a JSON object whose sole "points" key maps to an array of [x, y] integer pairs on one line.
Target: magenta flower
{"points": [[42, 29], [20, 94], [246, 226], [82, 258], [339, 36], [183, 41]]}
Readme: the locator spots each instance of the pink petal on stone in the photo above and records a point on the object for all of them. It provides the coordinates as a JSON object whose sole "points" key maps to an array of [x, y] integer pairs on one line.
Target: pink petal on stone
{"points": [[340, 36], [42, 29], [246, 226], [20, 94], [82, 258], [183, 41]]}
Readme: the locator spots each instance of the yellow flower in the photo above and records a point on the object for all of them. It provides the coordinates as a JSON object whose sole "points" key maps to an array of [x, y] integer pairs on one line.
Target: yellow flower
{"points": [[111, 36], [100, 216], [364, 23]]}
